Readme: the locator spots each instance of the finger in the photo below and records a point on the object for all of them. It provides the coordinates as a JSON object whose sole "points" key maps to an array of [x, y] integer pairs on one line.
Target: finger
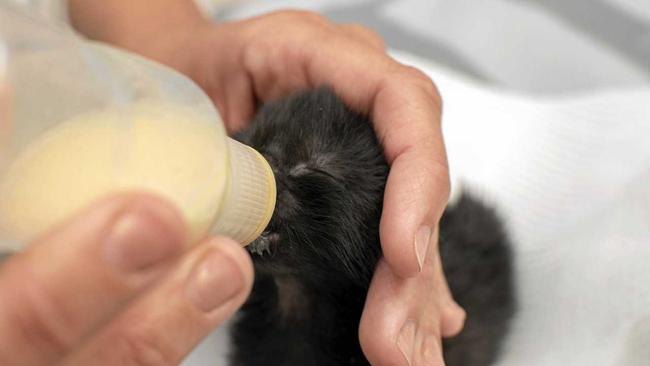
{"points": [[378, 333], [451, 315], [411, 334], [404, 106], [408, 122], [363, 34], [404, 318], [452, 319], [419, 346], [278, 62], [275, 71], [240, 107], [405, 110], [70, 281], [206, 288]]}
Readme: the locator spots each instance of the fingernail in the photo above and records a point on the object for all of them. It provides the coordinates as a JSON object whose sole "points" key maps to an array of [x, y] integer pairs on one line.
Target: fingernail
{"points": [[406, 340], [214, 281], [422, 238], [141, 237]]}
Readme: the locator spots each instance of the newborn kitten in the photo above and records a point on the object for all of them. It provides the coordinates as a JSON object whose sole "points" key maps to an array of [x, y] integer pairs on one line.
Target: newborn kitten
{"points": [[315, 259]]}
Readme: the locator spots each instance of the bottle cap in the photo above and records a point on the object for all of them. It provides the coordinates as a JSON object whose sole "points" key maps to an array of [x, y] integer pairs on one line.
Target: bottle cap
{"points": [[250, 197]]}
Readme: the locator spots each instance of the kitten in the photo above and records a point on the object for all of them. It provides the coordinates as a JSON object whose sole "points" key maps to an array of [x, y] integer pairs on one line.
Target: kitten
{"points": [[315, 259]]}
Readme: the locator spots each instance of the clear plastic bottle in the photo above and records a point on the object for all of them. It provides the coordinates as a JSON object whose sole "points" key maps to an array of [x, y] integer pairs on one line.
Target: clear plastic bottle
{"points": [[80, 120]]}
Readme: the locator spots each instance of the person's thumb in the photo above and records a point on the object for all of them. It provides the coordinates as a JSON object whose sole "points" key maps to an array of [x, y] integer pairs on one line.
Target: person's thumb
{"points": [[161, 327], [75, 278]]}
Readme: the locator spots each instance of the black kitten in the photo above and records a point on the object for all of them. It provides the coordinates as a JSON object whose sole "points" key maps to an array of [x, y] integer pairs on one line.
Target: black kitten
{"points": [[315, 260]]}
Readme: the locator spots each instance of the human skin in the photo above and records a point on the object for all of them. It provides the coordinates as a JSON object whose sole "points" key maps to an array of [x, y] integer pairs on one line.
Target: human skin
{"points": [[105, 287], [242, 64]]}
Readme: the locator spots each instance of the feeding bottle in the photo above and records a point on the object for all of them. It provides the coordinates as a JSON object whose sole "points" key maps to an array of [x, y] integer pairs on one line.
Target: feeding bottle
{"points": [[80, 120]]}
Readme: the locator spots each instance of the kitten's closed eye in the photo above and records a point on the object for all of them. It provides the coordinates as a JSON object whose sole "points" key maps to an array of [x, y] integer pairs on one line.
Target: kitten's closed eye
{"points": [[303, 169]]}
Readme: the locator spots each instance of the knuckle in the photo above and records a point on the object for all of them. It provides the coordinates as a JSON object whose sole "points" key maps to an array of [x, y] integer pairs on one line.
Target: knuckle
{"points": [[297, 16], [36, 316], [456, 316], [372, 36], [142, 348], [253, 56], [424, 83], [415, 74], [293, 31], [35, 327]]}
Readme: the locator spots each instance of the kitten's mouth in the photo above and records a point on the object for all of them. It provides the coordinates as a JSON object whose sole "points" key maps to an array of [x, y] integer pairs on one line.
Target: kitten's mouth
{"points": [[263, 243]]}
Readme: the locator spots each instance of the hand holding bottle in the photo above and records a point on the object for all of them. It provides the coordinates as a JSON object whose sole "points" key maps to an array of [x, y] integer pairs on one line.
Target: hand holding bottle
{"points": [[118, 284]]}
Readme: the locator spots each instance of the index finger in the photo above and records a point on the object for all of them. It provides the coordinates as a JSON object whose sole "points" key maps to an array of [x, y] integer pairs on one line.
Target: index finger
{"points": [[405, 108], [407, 117]]}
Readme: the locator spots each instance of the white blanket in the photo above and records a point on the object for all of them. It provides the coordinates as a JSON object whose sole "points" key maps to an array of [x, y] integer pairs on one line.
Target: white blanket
{"points": [[571, 174]]}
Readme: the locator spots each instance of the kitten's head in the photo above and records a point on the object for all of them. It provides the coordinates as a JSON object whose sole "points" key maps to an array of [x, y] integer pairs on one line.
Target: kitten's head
{"points": [[330, 176]]}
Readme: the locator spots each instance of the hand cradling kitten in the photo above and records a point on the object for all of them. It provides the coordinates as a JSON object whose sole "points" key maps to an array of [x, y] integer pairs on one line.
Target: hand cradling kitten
{"points": [[315, 259]]}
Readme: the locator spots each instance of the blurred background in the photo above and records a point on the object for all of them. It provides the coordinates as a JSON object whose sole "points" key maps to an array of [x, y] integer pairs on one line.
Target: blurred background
{"points": [[584, 44]]}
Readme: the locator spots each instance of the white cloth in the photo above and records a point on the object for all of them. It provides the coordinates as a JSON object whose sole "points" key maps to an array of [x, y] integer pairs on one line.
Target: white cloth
{"points": [[571, 174]]}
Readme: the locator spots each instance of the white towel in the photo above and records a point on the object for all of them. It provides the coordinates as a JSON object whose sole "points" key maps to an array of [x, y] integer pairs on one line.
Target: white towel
{"points": [[571, 174]]}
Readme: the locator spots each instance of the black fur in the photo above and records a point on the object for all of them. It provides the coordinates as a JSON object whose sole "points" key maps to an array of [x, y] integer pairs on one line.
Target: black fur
{"points": [[315, 260]]}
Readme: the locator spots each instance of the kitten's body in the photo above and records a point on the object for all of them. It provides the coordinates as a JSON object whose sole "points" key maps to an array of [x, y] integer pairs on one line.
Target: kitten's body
{"points": [[315, 261]]}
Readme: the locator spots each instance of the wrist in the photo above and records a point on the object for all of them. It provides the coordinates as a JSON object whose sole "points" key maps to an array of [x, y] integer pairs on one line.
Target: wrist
{"points": [[135, 25], [172, 46]]}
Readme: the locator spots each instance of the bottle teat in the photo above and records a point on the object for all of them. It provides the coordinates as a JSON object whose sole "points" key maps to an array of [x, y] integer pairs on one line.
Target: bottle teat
{"points": [[250, 197]]}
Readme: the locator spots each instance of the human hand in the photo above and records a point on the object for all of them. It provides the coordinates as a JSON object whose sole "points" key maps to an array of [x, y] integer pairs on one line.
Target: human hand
{"points": [[118, 284], [241, 64], [271, 56]]}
